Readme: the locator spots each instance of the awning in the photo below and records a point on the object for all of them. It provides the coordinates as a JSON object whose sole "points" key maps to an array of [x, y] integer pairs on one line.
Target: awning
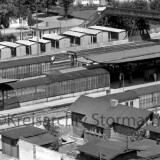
{"points": [[127, 55]]}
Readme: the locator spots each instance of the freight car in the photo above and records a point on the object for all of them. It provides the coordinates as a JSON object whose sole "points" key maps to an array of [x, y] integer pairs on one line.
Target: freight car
{"points": [[56, 86], [33, 66]]}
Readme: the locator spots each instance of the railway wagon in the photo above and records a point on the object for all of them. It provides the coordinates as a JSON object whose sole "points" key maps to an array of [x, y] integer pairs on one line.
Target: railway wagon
{"points": [[33, 66], [57, 86]]}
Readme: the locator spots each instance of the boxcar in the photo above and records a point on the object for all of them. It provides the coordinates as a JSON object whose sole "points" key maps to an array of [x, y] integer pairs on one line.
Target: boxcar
{"points": [[58, 86], [33, 66]]}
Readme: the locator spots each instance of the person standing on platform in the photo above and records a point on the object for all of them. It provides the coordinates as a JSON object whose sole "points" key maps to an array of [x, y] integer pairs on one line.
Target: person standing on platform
{"points": [[120, 79], [155, 76]]}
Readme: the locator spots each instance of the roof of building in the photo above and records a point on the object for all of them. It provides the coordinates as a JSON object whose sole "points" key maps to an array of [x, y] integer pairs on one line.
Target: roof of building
{"points": [[126, 55], [25, 61], [121, 97], [1, 47], [152, 128], [85, 30], [147, 90], [34, 39], [23, 132], [107, 149], [58, 78], [25, 42], [42, 139], [121, 114], [45, 27], [54, 36], [10, 44], [2, 81], [109, 29], [74, 34], [148, 148]]}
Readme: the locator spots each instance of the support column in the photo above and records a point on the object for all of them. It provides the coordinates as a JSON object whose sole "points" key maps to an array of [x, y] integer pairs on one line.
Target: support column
{"points": [[2, 100]]}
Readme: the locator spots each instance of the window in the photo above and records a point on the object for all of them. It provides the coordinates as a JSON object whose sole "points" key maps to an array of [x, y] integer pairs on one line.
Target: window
{"points": [[126, 104], [13, 52], [131, 103]]}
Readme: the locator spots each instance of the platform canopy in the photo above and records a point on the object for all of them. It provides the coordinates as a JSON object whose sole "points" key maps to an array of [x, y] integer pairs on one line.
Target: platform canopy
{"points": [[132, 55]]}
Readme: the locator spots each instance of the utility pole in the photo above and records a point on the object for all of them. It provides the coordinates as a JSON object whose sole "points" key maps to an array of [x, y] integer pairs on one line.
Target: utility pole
{"points": [[37, 35]]}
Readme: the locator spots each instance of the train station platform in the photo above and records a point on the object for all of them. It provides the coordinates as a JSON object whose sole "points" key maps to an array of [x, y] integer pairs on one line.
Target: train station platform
{"points": [[47, 105]]}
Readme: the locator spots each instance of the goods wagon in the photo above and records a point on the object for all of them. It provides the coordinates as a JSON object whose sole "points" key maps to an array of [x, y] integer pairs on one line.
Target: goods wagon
{"points": [[33, 66], [57, 86]]}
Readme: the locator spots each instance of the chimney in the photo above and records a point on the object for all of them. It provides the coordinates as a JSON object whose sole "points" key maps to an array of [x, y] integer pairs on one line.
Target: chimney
{"points": [[114, 102]]}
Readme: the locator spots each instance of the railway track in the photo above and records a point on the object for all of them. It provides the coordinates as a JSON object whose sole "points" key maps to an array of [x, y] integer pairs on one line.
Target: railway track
{"points": [[34, 117]]}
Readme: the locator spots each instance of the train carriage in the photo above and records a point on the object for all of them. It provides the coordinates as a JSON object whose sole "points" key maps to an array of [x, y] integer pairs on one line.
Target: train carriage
{"points": [[58, 86]]}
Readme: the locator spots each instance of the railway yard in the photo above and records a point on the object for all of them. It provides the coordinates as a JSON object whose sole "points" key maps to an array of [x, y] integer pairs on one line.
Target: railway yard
{"points": [[62, 80]]}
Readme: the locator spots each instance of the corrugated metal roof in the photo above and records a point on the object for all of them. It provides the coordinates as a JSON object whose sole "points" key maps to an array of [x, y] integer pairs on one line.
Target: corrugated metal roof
{"points": [[23, 132], [34, 39], [25, 61], [42, 139], [1, 47], [74, 34], [25, 42], [109, 29], [54, 36], [10, 44], [57, 78], [140, 53], [85, 30]]}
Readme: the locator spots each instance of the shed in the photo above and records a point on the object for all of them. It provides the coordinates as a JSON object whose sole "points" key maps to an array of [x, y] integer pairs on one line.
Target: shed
{"points": [[5, 52], [78, 39], [97, 36], [44, 140], [113, 33], [10, 138], [58, 41], [46, 29], [45, 45], [31, 47], [17, 50]]}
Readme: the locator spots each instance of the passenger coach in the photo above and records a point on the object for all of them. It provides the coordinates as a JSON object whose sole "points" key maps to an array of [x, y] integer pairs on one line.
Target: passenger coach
{"points": [[56, 86]]}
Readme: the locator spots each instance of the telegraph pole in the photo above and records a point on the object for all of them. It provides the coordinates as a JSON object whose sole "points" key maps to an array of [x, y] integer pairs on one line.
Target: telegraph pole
{"points": [[37, 35]]}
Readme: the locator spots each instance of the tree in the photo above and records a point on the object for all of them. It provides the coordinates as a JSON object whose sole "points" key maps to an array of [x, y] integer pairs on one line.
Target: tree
{"points": [[155, 5], [66, 4]]}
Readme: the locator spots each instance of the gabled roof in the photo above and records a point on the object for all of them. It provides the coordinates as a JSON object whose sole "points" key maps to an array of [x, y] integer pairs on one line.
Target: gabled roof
{"points": [[24, 132], [25, 42], [74, 34], [107, 149], [54, 36], [10, 44], [34, 39], [94, 108], [109, 29], [85, 30]]}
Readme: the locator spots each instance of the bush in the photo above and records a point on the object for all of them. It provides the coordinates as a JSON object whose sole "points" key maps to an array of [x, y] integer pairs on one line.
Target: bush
{"points": [[8, 37]]}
